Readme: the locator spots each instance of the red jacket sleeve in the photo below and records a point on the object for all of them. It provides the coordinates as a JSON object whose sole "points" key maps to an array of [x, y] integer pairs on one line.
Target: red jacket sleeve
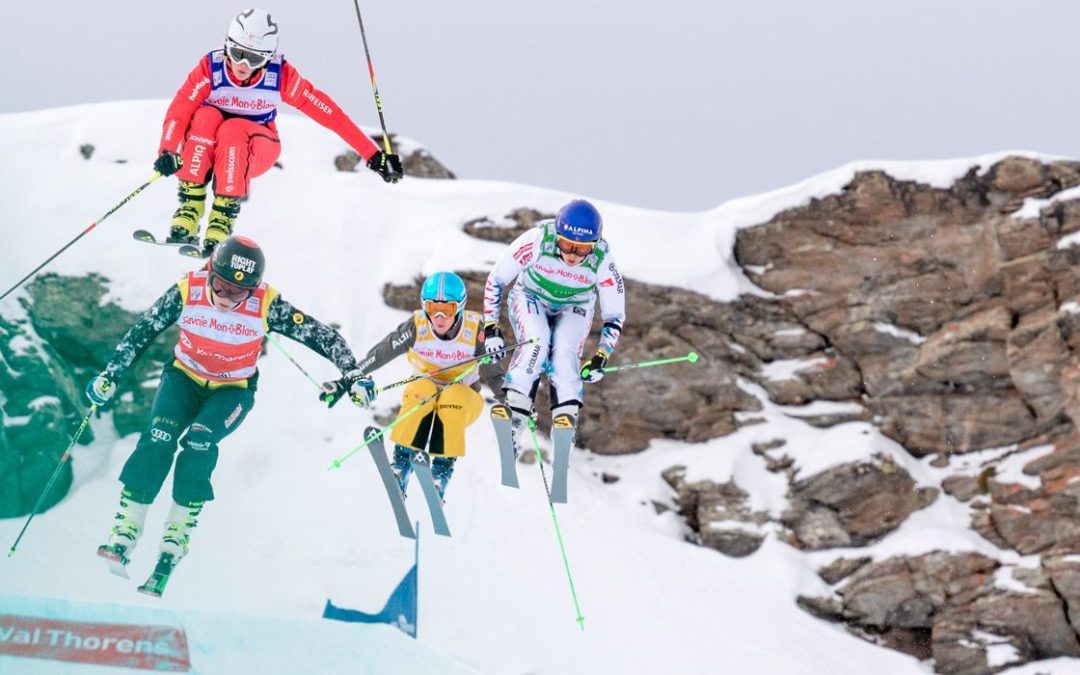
{"points": [[189, 97], [302, 95]]}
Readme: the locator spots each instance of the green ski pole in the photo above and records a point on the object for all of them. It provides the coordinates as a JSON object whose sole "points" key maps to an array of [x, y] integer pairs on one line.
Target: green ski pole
{"points": [[555, 519], [273, 341], [336, 464], [692, 357]]}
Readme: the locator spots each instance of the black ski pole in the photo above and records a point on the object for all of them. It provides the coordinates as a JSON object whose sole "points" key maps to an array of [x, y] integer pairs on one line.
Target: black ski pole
{"points": [[81, 234], [371, 73], [52, 479]]}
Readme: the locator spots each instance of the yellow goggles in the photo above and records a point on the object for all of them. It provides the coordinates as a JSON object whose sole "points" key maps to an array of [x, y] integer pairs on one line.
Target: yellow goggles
{"points": [[447, 308]]}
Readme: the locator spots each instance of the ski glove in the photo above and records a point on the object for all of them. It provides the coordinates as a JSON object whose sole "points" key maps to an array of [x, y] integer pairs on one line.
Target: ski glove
{"points": [[100, 389], [387, 166], [363, 391], [592, 371], [494, 344], [360, 389], [168, 164]]}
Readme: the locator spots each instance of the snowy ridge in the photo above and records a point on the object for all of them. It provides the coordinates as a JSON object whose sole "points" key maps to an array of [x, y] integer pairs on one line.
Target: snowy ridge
{"points": [[284, 534]]}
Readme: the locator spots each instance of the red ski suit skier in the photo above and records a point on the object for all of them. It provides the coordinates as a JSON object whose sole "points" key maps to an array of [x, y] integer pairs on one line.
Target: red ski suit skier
{"points": [[219, 124]]}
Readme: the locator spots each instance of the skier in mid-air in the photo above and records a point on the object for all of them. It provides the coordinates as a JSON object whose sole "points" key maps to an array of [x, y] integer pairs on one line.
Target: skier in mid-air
{"points": [[438, 335], [221, 124], [561, 266], [224, 312]]}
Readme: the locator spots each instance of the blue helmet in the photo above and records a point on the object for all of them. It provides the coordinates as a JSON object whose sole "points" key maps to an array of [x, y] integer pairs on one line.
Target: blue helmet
{"points": [[579, 221], [443, 287]]}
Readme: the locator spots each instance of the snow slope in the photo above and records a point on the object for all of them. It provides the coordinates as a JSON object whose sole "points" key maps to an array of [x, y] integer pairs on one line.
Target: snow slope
{"points": [[232, 642], [284, 533]]}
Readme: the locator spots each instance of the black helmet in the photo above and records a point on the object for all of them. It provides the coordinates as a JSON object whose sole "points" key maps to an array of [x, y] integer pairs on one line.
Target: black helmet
{"points": [[239, 261]]}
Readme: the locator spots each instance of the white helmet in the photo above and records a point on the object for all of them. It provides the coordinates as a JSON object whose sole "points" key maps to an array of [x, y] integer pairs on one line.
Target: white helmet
{"points": [[253, 30]]}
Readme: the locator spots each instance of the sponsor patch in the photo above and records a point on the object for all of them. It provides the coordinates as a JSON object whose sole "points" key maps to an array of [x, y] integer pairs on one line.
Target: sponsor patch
{"points": [[159, 435], [233, 415], [297, 318], [252, 304], [580, 311], [196, 293]]}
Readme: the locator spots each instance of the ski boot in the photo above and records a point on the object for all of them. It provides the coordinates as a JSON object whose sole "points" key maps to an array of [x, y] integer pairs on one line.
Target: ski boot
{"points": [[185, 221], [402, 466], [125, 533], [521, 411], [565, 416], [441, 470], [173, 547], [178, 525], [222, 218]]}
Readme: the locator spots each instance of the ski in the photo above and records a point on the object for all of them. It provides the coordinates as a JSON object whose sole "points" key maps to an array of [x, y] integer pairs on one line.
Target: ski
{"points": [[390, 482], [562, 440], [504, 434], [191, 251], [155, 584], [421, 465], [117, 561], [148, 237]]}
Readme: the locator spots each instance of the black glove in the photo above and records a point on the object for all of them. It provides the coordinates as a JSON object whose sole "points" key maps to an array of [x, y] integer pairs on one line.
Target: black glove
{"points": [[387, 166], [168, 164], [493, 340], [593, 370]]}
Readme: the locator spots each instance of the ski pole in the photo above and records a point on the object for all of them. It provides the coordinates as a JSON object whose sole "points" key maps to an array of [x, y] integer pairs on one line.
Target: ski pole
{"points": [[336, 464], [424, 376], [52, 479], [371, 73], [555, 519], [692, 357], [299, 367], [82, 234]]}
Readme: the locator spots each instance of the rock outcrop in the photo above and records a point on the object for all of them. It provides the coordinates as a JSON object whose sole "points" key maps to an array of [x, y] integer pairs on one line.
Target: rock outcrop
{"points": [[47, 354]]}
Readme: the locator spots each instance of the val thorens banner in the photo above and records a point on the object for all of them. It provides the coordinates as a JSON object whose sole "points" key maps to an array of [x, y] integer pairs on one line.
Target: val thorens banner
{"points": [[161, 648]]}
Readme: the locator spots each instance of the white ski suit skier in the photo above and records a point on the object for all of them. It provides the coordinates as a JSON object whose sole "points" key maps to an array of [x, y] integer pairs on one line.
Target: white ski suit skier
{"points": [[553, 301]]}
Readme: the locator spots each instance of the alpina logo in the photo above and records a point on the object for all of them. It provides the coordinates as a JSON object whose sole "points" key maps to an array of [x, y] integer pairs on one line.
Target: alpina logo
{"points": [[577, 229]]}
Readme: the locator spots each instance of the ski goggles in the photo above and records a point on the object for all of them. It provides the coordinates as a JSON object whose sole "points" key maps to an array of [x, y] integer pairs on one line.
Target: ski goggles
{"points": [[447, 308], [571, 247], [253, 58], [228, 290]]}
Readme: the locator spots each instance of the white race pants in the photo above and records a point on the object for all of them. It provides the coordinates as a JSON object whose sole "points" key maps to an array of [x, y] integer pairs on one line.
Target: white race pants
{"points": [[561, 332]]}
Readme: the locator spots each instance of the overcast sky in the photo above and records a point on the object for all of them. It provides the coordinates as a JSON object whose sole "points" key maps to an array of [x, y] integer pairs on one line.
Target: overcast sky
{"points": [[675, 105]]}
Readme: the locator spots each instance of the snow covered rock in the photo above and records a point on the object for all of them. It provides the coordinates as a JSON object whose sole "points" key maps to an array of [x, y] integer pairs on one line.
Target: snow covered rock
{"points": [[946, 299], [852, 504], [718, 513], [48, 352]]}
